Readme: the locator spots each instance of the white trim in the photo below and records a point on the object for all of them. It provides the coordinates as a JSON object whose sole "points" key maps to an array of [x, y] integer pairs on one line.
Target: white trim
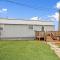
{"points": [[28, 22]]}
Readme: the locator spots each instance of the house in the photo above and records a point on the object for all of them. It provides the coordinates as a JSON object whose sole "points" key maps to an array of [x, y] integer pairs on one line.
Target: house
{"points": [[23, 29]]}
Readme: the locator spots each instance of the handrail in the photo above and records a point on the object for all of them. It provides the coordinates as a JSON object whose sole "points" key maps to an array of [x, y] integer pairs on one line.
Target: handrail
{"points": [[53, 36]]}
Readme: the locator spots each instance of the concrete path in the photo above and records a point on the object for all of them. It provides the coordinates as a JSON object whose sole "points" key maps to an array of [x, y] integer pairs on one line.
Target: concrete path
{"points": [[55, 48]]}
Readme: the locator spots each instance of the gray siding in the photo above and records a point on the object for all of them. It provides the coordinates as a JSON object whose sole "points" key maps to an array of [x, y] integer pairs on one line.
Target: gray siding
{"points": [[46, 28], [37, 28], [17, 31], [22, 30], [49, 28]]}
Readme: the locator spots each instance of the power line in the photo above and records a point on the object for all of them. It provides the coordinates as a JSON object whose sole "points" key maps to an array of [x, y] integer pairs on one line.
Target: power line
{"points": [[22, 4], [35, 8]]}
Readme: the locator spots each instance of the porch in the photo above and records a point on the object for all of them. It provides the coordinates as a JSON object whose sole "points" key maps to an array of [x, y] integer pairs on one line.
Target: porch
{"points": [[47, 36]]}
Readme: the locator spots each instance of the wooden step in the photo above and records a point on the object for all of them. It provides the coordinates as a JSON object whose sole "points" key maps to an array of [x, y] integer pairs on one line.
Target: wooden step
{"points": [[49, 38]]}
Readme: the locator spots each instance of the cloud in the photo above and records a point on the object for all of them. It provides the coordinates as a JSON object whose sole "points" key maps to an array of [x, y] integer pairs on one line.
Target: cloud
{"points": [[55, 16], [35, 18], [3, 10], [58, 5]]}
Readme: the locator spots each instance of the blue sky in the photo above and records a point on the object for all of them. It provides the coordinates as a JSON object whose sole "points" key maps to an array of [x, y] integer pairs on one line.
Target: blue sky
{"points": [[27, 9]]}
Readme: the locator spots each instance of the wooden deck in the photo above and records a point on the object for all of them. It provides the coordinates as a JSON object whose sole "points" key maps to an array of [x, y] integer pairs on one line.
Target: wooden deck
{"points": [[47, 36]]}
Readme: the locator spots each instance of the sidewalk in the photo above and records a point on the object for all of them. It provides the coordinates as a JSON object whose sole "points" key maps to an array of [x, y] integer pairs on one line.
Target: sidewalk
{"points": [[55, 48]]}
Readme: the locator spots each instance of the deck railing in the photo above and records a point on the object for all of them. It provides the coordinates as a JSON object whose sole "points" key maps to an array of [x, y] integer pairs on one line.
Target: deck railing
{"points": [[55, 35]]}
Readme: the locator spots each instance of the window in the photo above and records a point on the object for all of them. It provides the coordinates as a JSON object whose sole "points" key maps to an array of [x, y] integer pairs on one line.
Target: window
{"points": [[30, 26], [1, 28], [42, 28], [0, 31]]}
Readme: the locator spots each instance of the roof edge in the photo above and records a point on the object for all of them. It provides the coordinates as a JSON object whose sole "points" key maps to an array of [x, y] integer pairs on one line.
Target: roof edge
{"points": [[25, 19]]}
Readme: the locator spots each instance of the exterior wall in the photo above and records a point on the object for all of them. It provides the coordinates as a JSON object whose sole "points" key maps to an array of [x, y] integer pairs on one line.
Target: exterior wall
{"points": [[22, 31], [49, 28], [17, 31], [37, 28], [46, 28]]}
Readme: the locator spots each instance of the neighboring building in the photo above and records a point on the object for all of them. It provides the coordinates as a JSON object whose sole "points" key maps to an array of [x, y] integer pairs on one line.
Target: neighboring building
{"points": [[23, 29]]}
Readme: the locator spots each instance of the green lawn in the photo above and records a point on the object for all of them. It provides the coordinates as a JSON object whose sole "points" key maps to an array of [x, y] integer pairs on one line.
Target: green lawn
{"points": [[26, 50]]}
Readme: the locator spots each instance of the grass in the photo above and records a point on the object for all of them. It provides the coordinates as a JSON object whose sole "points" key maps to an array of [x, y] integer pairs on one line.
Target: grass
{"points": [[26, 50]]}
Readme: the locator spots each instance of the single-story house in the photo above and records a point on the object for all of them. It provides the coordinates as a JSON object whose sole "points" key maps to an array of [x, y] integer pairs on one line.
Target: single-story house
{"points": [[23, 29]]}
